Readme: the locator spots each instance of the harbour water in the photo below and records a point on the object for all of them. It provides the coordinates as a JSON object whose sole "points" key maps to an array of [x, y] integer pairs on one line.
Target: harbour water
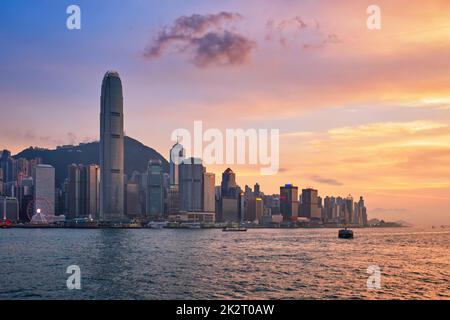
{"points": [[211, 264]]}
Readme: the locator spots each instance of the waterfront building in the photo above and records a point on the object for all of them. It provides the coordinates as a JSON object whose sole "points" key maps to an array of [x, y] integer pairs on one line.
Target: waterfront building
{"points": [[209, 196], [83, 191], [310, 204], [73, 191], [9, 208], [191, 185], [254, 210], [90, 191], [132, 203], [1, 182], [173, 200], [44, 189], [155, 189], [289, 202]]}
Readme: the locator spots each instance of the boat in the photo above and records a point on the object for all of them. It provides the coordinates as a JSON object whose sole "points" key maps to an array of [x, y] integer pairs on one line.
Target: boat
{"points": [[231, 229], [5, 224], [191, 225], [345, 234], [157, 224]]}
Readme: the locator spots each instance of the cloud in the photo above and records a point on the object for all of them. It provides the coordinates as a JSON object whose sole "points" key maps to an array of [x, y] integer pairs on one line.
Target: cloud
{"points": [[206, 38], [329, 181], [386, 155], [296, 30]]}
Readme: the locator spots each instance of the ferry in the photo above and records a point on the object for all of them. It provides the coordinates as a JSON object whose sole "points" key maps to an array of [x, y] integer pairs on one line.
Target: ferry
{"points": [[157, 224], [345, 234], [231, 229], [191, 225]]}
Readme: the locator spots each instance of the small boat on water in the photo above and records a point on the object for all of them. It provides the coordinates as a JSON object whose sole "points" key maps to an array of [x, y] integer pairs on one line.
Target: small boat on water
{"points": [[231, 229], [5, 224], [191, 225], [157, 224], [345, 234]]}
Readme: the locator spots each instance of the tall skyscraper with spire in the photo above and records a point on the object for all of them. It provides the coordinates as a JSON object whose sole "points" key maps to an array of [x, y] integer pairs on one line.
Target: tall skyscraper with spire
{"points": [[176, 157], [111, 149]]}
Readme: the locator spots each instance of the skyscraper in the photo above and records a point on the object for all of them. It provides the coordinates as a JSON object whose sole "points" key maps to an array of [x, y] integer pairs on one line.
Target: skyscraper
{"points": [[44, 189], [111, 149], [74, 191], [176, 156], [90, 185], [228, 184], [155, 190], [7, 165], [1, 181], [209, 192], [348, 209], [310, 204], [191, 185], [257, 190], [289, 202]]}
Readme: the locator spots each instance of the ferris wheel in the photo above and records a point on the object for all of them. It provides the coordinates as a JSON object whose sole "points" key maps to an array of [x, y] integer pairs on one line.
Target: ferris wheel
{"points": [[39, 211]]}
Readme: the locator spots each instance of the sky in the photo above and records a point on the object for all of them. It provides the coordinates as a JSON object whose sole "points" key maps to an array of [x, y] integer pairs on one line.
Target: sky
{"points": [[361, 112]]}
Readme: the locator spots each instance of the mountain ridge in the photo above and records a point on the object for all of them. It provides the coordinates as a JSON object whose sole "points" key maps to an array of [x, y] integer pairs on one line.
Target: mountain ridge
{"points": [[136, 157]]}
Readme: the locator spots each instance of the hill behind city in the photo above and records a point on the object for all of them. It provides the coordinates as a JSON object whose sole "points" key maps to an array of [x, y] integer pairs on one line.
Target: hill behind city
{"points": [[137, 156]]}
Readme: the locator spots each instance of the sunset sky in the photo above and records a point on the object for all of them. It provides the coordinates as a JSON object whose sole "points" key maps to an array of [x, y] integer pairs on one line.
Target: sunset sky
{"points": [[365, 112]]}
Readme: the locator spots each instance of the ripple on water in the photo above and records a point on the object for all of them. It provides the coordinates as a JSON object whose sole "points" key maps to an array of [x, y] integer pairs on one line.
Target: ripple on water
{"points": [[208, 264]]}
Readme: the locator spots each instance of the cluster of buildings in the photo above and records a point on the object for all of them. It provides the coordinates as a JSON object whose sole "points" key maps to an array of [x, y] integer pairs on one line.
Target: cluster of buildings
{"points": [[25, 186], [186, 194], [309, 207]]}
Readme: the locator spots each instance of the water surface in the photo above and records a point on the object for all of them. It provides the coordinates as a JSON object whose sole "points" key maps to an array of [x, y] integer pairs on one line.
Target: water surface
{"points": [[211, 264]]}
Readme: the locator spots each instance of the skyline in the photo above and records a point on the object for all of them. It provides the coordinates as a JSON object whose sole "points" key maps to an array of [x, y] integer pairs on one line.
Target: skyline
{"points": [[361, 113]]}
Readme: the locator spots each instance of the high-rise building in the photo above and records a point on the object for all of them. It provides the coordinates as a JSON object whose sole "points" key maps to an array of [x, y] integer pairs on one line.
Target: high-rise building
{"points": [[176, 157], [254, 210], [83, 184], [90, 191], [231, 204], [310, 204], [155, 189], [209, 196], [173, 199], [228, 185], [289, 202], [44, 189], [348, 209], [21, 169], [1, 182], [32, 164], [132, 203], [191, 185], [111, 149], [74, 191], [7, 165], [257, 190], [9, 209], [230, 209]]}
